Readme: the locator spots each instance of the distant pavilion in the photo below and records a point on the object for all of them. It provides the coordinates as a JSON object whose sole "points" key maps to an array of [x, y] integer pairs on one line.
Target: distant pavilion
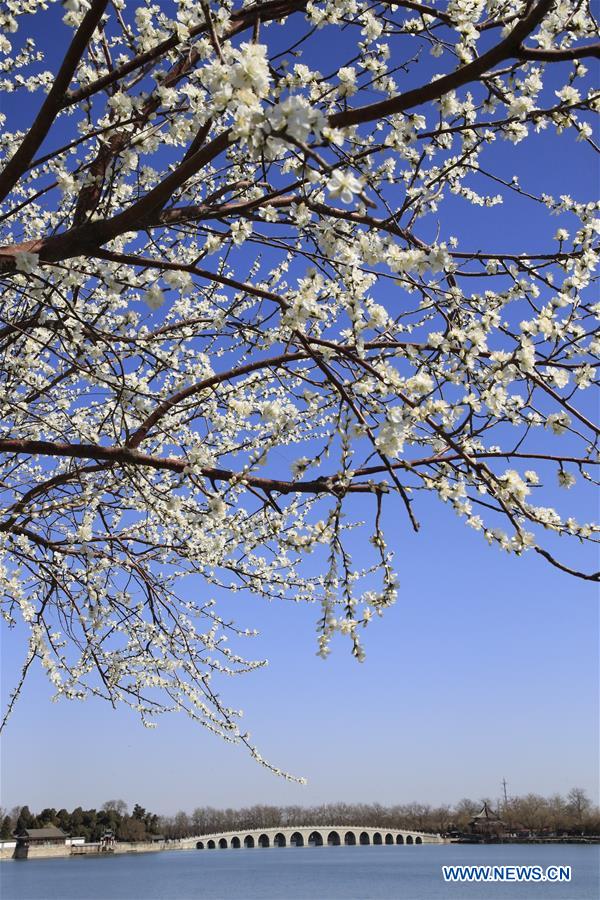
{"points": [[487, 823], [36, 837]]}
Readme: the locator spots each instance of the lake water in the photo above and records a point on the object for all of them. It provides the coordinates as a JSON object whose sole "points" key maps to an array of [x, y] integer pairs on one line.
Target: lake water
{"points": [[309, 873]]}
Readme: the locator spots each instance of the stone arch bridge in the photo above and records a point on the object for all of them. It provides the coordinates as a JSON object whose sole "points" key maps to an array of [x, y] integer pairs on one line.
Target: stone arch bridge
{"points": [[309, 836]]}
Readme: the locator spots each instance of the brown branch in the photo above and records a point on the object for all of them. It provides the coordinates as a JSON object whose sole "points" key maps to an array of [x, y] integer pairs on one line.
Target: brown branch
{"points": [[241, 20], [31, 536], [506, 49], [565, 404], [16, 692], [195, 212], [46, 486], [341, 389], [89, 237], [158, 196], [214, 39], [454, 457], [164, 408], [592, 576], [52, 105], [422, 8], [125, 456], [390, 227], [147, 262], [537, 53]]}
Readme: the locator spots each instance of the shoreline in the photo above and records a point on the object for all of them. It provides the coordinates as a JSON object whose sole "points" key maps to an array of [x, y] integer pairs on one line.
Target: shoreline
{"points": [[93, 851]]}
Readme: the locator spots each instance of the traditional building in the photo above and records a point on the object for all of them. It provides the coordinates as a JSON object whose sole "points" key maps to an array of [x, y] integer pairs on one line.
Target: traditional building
{"points": [[487, 823], [47, 837]]}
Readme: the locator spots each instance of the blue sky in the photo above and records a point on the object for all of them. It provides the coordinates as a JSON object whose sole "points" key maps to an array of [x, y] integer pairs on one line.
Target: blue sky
{"points": [[487, 667]]}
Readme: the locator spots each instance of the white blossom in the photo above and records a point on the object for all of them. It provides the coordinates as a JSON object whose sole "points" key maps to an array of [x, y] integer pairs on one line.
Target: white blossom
{"points": [[26, 262], [558, 422], [344, 185], [154, 297], [566, 479]]}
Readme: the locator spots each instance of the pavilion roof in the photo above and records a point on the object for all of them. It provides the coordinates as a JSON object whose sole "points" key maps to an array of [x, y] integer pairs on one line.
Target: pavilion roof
{"points": [[486, 814], [50, 832]]}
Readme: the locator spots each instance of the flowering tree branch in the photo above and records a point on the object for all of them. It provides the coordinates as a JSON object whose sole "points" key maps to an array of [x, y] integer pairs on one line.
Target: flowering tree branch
{"points": [[239, 313], [18, 164]]}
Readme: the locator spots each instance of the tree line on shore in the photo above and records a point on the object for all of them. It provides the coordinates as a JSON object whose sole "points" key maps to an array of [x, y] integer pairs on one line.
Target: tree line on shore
{"points": [[573, 814], [88, 823]]}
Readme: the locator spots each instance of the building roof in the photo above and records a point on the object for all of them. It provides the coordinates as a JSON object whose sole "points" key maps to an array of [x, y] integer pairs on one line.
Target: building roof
{"points": [[486, 815], [50, 832]]}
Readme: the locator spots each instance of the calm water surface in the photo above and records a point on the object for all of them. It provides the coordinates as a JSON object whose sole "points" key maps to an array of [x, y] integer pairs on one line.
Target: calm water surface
{"points": [[319, 873]]}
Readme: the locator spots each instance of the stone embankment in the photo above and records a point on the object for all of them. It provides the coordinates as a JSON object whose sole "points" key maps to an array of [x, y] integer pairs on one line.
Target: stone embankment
{"points": [[47, 851]]}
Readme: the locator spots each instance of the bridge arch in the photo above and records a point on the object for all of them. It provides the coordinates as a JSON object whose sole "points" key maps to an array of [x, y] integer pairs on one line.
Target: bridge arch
{"points": [[314, 836]]}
